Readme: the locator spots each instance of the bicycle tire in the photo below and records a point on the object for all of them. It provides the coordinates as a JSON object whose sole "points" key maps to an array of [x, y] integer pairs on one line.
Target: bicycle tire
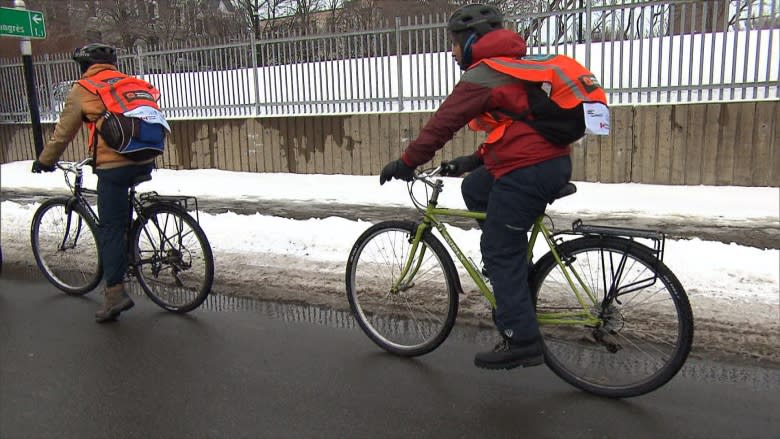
{"points": [[391, 319], [172, 258], [646, 335], [65, 247]]}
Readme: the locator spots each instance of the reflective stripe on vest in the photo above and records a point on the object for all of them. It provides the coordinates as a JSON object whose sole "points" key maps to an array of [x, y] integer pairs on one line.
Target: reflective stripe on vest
{"points": [[571, 83]]}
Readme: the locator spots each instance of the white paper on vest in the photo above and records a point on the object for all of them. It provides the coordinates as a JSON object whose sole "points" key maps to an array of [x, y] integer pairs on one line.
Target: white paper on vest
{"points": [[596, 118], [149, 114]]}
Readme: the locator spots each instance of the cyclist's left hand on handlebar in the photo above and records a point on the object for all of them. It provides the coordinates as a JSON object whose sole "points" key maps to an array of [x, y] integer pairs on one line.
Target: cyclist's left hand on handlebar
{"points": [[460, 165], [396, 169], [38, 167]]}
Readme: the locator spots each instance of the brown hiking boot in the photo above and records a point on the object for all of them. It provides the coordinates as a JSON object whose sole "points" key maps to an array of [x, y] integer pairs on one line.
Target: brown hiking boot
{"points": [[116, 301]]}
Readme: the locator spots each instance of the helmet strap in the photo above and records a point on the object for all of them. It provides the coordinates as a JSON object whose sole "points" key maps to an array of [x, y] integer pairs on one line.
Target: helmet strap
{"points": [[465, 61]]}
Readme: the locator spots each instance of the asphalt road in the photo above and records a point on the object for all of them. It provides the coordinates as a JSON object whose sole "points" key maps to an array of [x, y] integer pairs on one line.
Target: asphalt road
{"points": [[765, 235], [250, 369]]}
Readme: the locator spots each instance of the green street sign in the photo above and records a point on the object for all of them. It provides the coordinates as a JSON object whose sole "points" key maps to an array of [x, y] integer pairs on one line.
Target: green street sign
{"points": [[21, 23]]}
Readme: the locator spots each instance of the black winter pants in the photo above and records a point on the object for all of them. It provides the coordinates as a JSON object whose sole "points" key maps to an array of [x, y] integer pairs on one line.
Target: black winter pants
{"points": [[513, 202]]}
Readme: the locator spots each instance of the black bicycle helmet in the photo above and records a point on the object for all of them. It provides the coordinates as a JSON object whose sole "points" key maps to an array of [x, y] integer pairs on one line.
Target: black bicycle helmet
{"points": [[94, 53], [477, 18]]}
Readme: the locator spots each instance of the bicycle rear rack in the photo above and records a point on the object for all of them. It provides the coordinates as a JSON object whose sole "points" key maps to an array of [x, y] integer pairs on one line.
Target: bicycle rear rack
{"points": [[183, 201], [658, 238], [656, 249]]}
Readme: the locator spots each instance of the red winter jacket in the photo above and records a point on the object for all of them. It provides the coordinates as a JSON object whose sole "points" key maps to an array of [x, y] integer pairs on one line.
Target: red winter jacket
{"points": [[483, 90]]}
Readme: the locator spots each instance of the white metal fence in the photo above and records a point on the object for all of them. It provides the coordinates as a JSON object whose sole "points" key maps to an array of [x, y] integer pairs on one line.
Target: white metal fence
{"points": [[643, 52]]}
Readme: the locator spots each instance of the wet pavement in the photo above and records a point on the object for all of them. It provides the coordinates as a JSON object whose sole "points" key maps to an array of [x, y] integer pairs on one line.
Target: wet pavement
{"points": [[765, 235], [243, 368]]}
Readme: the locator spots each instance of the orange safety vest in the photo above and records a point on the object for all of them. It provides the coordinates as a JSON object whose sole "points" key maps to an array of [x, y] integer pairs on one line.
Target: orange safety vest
{"points": [[570, 85], [120, 93]]}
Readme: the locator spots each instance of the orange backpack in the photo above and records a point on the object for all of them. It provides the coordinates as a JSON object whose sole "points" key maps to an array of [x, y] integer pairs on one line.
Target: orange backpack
{"points": [[565, 99], [133, 124]]}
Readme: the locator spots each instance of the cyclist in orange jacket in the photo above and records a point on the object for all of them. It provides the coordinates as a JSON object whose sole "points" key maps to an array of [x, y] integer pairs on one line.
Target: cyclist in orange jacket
{"points": [[115, 173], [516, 173]]}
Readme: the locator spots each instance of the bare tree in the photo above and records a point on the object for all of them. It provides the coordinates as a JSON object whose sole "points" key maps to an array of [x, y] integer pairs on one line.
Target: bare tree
{"points": [[303, 11], [119, 22], [335, 14], [257, 14], [249, 11], [362, 14], [277, 16], [703, 16]]}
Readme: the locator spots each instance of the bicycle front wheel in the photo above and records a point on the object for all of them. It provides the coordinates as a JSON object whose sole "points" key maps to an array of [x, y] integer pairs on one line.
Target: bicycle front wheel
{"points": [[646, 324], [172, 258], [65, 247], [410, 316]]}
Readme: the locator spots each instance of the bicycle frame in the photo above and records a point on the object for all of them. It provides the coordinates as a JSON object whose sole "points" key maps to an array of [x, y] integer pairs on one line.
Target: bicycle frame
{"points": [[431, 215], [78, 191], [136, 204]]}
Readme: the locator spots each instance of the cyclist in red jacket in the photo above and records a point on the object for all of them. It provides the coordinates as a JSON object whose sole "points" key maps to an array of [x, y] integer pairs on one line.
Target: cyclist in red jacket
{"points": [[516, 173]]}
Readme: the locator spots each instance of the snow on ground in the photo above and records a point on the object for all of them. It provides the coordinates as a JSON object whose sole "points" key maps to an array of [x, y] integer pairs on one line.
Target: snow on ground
{"points": [[727, 283]]}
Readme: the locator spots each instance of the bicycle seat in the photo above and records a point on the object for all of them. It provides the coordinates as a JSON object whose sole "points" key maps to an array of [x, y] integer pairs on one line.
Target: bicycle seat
{"points": [[567, 190], [141, 178]]}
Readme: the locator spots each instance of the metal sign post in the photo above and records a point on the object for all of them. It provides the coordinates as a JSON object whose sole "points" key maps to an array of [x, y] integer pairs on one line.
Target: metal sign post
{"points": [[25, 24]]}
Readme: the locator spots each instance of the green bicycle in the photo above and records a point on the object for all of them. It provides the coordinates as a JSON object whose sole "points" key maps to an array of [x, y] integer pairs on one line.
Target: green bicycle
{"points": [[615, 320]]}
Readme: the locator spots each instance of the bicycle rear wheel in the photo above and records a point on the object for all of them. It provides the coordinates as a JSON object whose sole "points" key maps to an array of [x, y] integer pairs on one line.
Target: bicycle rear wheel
{"points": [[172, 258], [418, 317], [65, 246], [645, 333]]}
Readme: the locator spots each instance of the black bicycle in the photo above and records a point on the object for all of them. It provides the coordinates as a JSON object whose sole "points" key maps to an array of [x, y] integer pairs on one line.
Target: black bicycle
{"points": [[168, 252]]}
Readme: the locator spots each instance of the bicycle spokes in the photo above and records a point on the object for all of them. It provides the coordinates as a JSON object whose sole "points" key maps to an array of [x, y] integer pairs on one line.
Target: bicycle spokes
{"points": [[65, 247], [642, 328], [402, 292], [173, 259]]}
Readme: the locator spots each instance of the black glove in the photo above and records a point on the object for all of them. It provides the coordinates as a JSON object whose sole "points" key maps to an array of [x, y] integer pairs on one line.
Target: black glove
{"points": [[460, 165], [396, 169], [39, 167]]}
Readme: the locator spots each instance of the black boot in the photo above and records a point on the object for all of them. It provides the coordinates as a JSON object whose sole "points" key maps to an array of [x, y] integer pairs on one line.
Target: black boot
{"points": [[509, 354]]}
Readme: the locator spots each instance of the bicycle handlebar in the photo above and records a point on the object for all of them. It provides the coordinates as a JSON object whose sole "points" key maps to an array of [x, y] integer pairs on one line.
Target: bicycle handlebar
{"points": [[73, 166], [443, 170]]}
